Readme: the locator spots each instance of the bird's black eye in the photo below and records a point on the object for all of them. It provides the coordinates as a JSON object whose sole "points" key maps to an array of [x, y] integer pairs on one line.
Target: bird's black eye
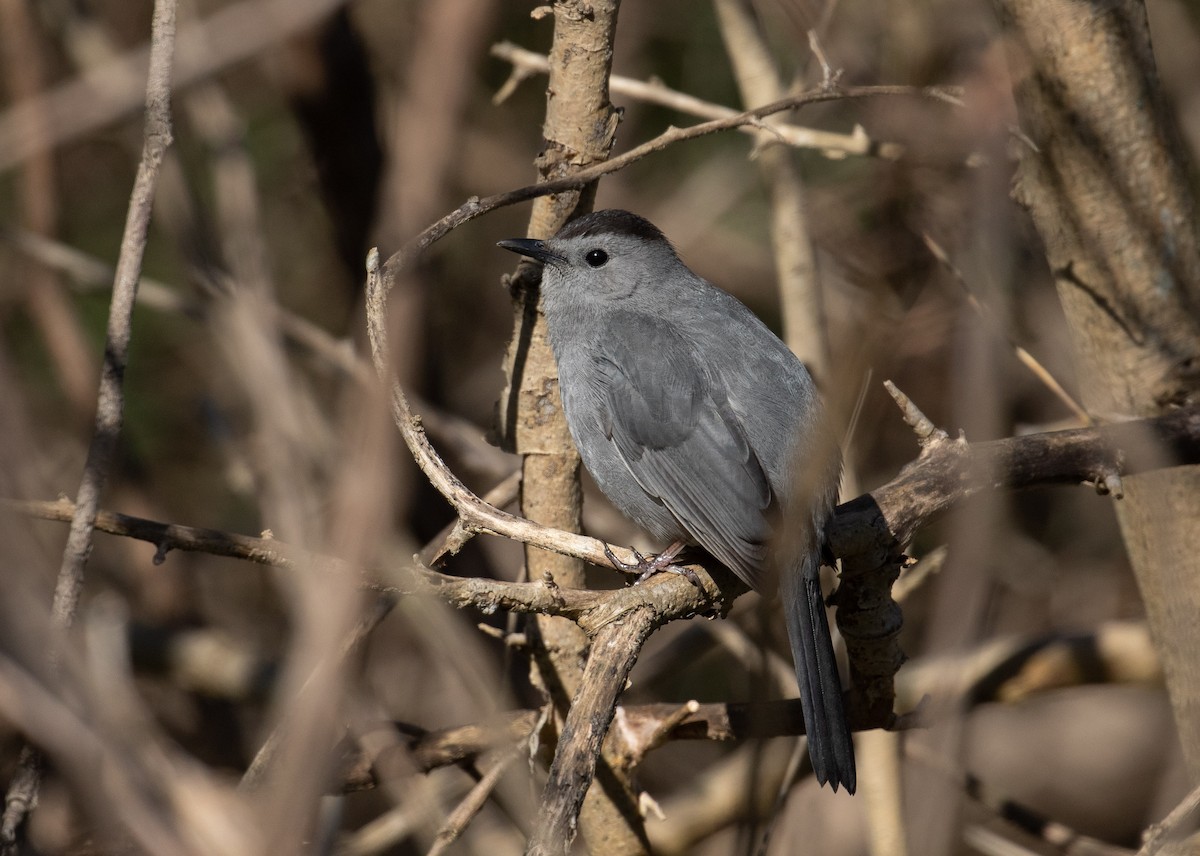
{"points": [[596, 258]]}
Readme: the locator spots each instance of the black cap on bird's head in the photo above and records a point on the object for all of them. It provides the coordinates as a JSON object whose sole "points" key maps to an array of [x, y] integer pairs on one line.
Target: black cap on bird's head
{"points": [[611, 222]]}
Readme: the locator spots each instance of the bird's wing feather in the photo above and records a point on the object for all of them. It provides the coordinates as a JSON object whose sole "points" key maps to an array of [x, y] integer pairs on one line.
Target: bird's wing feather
{"points": [[682, 442]]}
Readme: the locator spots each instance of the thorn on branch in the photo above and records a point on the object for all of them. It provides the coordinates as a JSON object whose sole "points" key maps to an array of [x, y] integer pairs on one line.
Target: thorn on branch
{"points": [[455, 541], [510, 640], [830, 77], [669, 723], [1109, 483], [927, 433], [552, 588], [648, 805]]}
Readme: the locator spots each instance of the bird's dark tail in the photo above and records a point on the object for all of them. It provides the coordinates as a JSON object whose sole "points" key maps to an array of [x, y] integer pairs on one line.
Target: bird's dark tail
{"points": [[829, 743]]}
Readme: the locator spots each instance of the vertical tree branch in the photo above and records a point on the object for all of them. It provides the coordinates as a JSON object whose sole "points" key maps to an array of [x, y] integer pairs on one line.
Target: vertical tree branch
{"points": [[1108, 189], [111, 400], [49, 305], [759, 83], [579, 131]]}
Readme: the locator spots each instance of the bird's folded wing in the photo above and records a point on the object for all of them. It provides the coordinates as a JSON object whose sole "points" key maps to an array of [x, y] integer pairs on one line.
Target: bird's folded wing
{"points": [[682, 442]]}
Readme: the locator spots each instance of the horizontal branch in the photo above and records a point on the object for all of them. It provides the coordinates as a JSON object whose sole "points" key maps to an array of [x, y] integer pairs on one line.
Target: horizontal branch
{"points": [[950, 471], [946, 473], [526, 63], [664, 595], [474, 207], [641, 726], [869, 533]]}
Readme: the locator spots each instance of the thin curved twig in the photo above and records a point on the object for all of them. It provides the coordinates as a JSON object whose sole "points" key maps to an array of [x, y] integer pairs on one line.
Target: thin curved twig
{"points": [[476, 515], [526, 63], [474, 207]]}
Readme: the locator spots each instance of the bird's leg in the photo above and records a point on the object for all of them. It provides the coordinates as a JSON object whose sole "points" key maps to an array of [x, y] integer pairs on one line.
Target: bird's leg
{"points": [[647, 567]]}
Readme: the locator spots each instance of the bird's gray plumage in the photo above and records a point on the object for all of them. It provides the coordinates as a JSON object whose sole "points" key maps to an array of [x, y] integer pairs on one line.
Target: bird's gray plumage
{"points": [[698, 423]]}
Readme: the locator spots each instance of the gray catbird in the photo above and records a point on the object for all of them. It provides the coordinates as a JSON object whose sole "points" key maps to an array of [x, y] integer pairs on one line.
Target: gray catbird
{"points": [[699, 424]]}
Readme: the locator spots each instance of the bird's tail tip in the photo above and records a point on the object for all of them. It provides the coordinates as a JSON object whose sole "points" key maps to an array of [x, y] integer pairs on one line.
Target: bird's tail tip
{"points": [[841, 774]]}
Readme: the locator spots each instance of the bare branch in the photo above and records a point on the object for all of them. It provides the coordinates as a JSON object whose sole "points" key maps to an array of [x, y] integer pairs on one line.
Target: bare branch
{"points": [[921, 424], [956, 471], [471, 804], [110, 93], [486, 595], [1027, 359], [476, 515], [110, 408], [1160, 835], [527, 63], [475, 206]]}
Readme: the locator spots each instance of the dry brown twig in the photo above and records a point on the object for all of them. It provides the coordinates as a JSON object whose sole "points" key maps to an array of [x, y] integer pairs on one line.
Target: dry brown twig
{"points": [[1162, 834], [475, 515], [111, 92], [476, 206], [526, 63], [22, 792], [472, 803], [486, 595], [1027, 359]]}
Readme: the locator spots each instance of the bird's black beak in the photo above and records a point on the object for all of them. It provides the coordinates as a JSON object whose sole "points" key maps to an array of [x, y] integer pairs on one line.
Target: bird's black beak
{"points": [[532, 248]]}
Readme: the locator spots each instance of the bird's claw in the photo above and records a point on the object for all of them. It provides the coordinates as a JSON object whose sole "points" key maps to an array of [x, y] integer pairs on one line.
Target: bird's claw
{"points": [[647, 566], [626, 567]]}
